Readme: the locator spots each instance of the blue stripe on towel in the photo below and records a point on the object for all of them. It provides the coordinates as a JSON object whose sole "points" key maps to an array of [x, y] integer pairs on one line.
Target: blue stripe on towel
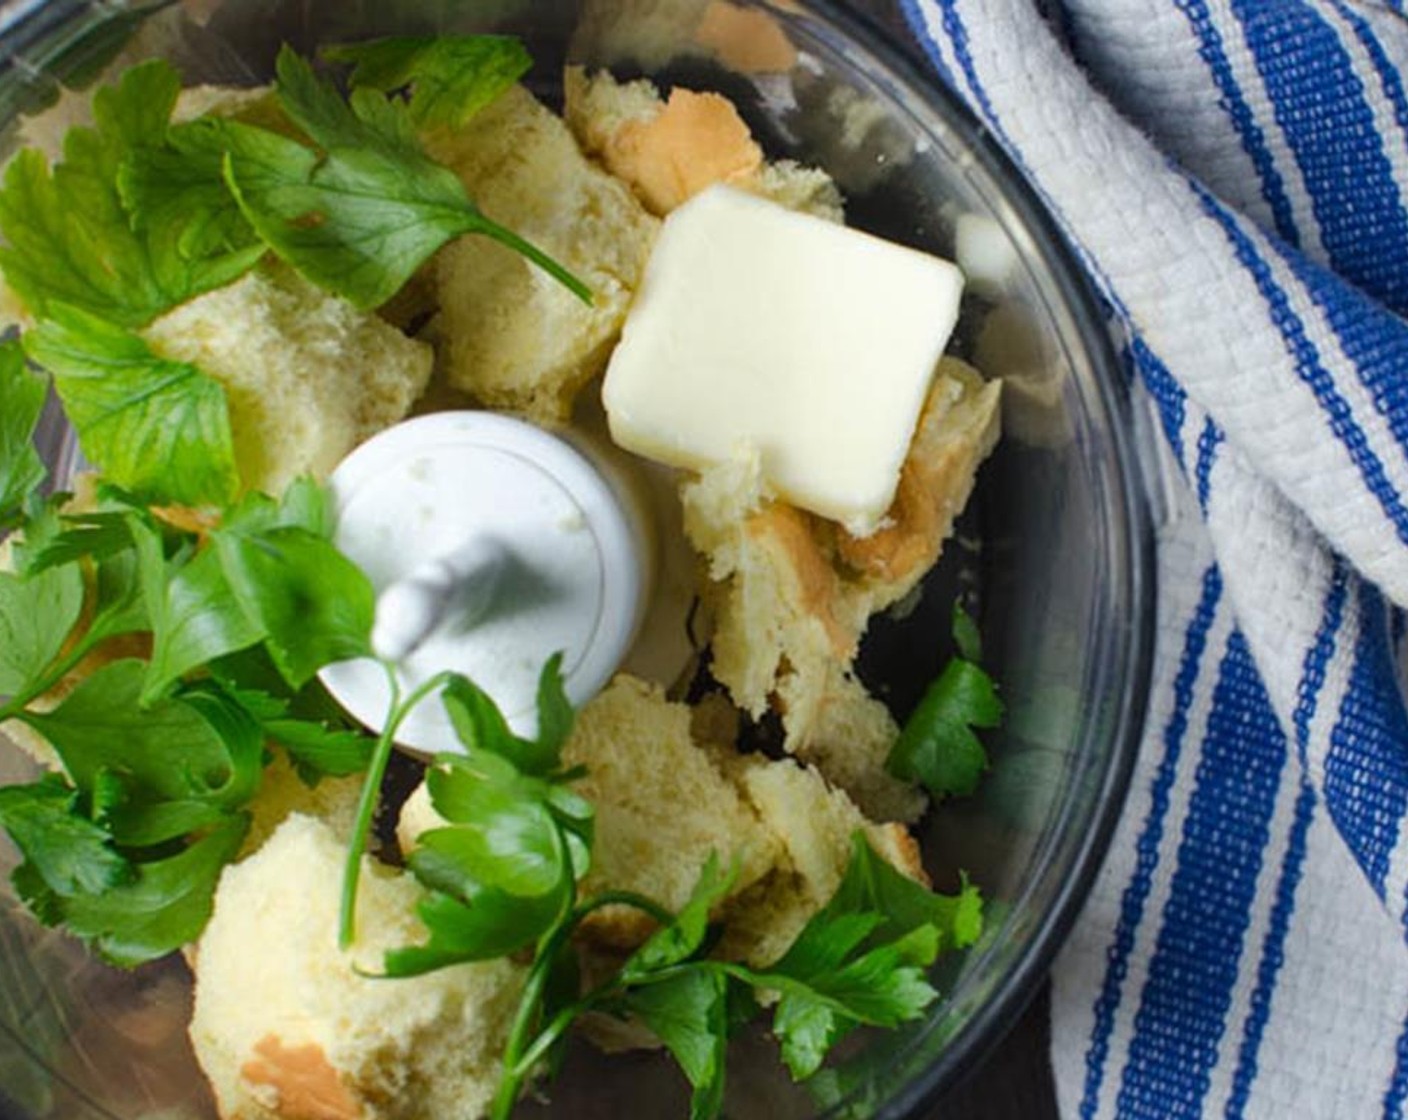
{"points": [[1371, 337], [958, 39], [1168, 394], [1195, 964], [1320, 104], [1292, 863], [1391, 82], [1398, 1085], [1208, 441], [1366, 770], [926, 42], [1210, 49], [1309, 367], [1136, 893], [1273, 952]]}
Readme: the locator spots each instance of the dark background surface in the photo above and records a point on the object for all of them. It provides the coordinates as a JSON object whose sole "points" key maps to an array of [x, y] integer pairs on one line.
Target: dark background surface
{"points": [[1014, 1081]]}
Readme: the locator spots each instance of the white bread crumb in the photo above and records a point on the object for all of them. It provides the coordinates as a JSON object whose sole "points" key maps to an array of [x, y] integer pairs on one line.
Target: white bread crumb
{"points": [[307, 376], [285, 1029], [815, 824], [664, 801], [792, 593], [669, 149], [511, 335]]}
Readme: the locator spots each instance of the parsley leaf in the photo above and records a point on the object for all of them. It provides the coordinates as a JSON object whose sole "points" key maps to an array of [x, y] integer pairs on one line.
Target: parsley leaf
{"points": [[966, 635], [488, 924], [451, 77], [164, 907], [21, 401], [872, 885], [52, 538], [937, 745], [502, 870], [72, 241], [37, 614], [312, 603], [198, 746], [195, 617], [158, 428], [69, 853], [177, 195], [689, 1012], [318, 748], [361, 216], [268, 574], [683, 937], [479, 724], [860, 959], [507, 840], [318, 736]]}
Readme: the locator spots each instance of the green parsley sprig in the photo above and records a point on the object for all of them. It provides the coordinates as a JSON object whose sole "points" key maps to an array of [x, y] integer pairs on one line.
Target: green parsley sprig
{"points": [[142, 215], [502, 877], [164, 747], [446, 78], [72, 240], [938, 746]]}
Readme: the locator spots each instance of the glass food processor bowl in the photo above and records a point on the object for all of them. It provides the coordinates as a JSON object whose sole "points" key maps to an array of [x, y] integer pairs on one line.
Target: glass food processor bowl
{"points": [[1054, 552]]}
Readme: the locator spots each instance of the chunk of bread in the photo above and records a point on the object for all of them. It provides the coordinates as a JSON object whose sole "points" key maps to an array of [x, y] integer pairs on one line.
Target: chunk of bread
{"points": [[815, 824], [282, 793], [665, 800], [662, 807], [509, 334], [849, 742], [781, 621], [286, 1028], [307, 376], [662, 804], [669, 149], [793, 593], [957, 429]]}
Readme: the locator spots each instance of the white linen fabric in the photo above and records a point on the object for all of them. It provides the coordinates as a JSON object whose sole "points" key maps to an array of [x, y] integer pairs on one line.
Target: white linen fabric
{"points": [[1234, 174]]}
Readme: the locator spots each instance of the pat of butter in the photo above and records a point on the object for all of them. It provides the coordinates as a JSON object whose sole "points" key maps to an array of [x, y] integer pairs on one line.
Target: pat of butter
{"points": [[759, 328]]}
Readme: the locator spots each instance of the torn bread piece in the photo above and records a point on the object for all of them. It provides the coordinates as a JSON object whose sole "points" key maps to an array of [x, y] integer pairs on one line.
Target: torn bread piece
{"points": [[507, 332], [791, 593], [283, 793], [851, 737], [666, 800], [815, 824], [287, 1028], [662, 808], [307, 376], [957, 429], [779, 618], [670, 148]]}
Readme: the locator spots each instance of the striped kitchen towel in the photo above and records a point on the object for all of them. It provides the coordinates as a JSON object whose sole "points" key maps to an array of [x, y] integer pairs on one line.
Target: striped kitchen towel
{"points": [[1234, 174]]}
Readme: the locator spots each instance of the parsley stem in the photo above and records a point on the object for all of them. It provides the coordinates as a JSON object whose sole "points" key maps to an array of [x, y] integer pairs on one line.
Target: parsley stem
{"points": [[530, 1002], [397, 710], [519, 1059], [537, 256], [545, 1038]]}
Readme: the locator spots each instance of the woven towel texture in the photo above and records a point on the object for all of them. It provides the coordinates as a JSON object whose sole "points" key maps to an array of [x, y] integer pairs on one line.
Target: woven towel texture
{"points": [[1234, 175]]}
